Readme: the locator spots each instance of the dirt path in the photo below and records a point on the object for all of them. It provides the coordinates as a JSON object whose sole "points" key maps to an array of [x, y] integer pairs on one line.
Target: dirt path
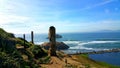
{"points": [[54, 63], [66, 62]]}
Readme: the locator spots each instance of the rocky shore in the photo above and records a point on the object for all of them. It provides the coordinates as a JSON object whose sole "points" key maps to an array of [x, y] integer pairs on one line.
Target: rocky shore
{"points": [[99, 52]]}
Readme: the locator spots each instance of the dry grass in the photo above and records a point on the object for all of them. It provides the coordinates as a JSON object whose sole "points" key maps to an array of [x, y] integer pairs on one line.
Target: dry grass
{"points": [[74, 61]]}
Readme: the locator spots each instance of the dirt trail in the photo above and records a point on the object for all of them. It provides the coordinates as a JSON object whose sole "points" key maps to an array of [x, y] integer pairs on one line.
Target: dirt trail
{"points": [[65, 62]]}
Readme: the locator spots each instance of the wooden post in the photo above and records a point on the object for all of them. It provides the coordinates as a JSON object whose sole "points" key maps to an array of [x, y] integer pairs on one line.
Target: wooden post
{"points": [[52, 39], [32, 37], [24, 40], [0, 41]]}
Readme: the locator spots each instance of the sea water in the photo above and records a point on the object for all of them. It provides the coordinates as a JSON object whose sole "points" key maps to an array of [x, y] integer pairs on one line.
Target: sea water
{"points": [[86, 42], [111, 58]]}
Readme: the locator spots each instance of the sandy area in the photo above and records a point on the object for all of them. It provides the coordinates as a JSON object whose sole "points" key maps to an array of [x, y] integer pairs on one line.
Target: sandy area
{"points": [[65, 62]]}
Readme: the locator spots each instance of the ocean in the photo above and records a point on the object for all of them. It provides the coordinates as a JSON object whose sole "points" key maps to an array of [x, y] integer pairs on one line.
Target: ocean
{"points": [[86, 42]]}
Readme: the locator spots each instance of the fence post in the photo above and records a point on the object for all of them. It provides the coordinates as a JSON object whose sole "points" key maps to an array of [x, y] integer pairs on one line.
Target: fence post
{"points": [[32, 37]]}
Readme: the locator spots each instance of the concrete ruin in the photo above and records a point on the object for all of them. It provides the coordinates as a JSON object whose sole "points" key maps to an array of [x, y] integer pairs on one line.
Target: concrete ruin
{"points": [[52, 39]]}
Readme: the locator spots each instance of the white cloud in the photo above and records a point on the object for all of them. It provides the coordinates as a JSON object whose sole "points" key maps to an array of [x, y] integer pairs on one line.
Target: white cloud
{"points": [[68, 26], [64, 26], [7, 18]]}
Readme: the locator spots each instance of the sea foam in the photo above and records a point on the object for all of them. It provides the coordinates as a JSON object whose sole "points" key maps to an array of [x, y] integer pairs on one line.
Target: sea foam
{"points": [[81, 45]]}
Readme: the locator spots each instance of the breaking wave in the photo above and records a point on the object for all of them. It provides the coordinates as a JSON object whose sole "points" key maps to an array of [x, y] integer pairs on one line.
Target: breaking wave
{"points": [[38, 43], [81, 45]]}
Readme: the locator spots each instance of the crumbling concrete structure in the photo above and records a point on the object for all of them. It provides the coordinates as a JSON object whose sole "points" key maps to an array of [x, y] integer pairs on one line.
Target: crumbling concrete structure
{"points": [[52, 40]]}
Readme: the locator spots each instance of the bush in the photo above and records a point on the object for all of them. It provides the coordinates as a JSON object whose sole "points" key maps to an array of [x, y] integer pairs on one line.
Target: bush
{"points": [[20, 41], [37, 51], [11, 60], [4, 34]]}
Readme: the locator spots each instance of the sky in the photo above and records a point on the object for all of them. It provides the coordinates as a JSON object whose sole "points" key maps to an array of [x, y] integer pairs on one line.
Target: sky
{"points": [[24, 16]]}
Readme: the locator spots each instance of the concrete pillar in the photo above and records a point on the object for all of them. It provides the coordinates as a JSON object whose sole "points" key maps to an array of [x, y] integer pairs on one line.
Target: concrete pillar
{"points": [[52, 39]]}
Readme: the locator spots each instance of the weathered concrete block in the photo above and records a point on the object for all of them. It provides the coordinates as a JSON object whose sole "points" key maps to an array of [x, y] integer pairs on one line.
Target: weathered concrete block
{"points": [[52, 40]]}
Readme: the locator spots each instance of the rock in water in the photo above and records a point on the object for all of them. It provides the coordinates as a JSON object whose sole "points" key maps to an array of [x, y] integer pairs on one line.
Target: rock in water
{"points": [[56, 36], [59, 45]]}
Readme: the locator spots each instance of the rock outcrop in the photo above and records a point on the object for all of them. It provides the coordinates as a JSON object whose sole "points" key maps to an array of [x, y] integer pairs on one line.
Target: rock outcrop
{"points": [[59, 45]]}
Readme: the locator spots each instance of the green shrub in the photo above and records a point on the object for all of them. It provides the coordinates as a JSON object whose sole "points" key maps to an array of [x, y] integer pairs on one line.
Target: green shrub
{"points": [[37, 51], [20, 41], [11, 60], [44, 60], [5, 34]]}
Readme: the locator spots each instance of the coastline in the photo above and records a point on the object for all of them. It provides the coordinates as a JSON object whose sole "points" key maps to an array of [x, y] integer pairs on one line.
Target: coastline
{"points": [[103, 55], [99, 52]]}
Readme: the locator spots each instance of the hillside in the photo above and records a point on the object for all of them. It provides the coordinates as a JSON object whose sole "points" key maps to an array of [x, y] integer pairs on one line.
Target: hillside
{"points": [[13, 57], [7, 40]]}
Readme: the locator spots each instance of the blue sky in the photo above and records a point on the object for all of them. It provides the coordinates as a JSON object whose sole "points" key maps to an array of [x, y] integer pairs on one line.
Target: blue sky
{"points": [[23, 16]]}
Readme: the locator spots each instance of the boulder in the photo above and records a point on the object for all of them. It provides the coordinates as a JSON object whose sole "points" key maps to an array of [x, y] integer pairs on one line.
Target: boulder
{"points": [[58, 36], [59, 45]]}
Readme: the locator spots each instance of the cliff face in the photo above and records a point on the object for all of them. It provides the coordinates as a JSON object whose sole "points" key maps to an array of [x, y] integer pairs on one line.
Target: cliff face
{"points": [[7, 40]]}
